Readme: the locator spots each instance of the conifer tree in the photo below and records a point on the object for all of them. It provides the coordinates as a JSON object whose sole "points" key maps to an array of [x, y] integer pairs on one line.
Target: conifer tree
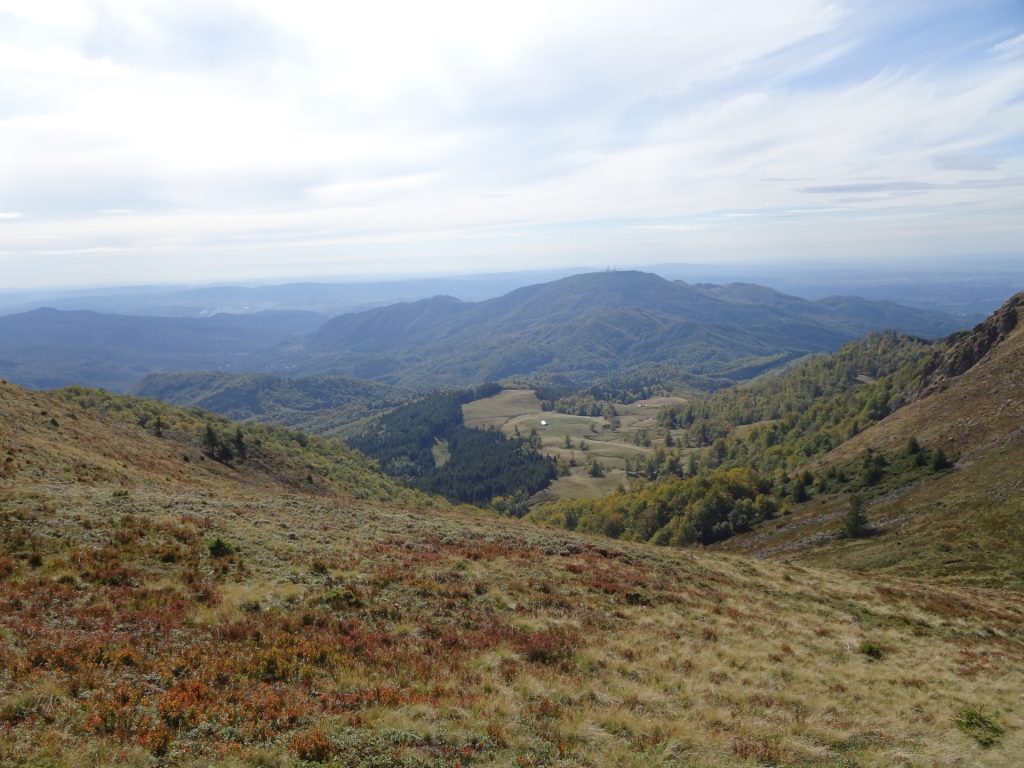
{"points": [[855, 521]]}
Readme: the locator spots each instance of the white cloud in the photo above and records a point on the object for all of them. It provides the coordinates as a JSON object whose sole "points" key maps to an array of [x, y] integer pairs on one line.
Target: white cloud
{"points": [[53, 14], [270, 136], [1012, 48]]}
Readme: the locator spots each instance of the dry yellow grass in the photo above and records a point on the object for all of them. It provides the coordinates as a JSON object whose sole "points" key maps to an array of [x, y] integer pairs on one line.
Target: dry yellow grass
{"points": [[381, 634]]}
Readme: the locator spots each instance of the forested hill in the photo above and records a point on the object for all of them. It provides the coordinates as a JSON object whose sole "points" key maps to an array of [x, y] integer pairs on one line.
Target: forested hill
{"points": [[578, 329], [425, 444], [966, 522], [335, 406], [735, 449], [591, 325], [889, 454], [48, 348]]}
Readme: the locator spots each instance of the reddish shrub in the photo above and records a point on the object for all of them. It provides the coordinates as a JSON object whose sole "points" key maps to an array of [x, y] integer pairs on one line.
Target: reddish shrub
{"points": [[549, 646], [156, 740], [185, 703], [313, 745]]}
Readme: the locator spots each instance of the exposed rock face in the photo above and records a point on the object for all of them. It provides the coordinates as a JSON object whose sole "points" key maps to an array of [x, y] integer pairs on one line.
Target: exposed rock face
{"points": [[967, 348]]}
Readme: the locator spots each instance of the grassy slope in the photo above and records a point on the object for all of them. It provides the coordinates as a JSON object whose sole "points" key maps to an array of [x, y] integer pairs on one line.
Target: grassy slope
{"points": [[277, 458], [414, 634], [332, 405], [967, 524]]}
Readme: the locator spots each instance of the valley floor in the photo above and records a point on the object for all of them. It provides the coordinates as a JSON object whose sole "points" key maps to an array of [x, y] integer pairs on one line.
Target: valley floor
{"points": [[575, 440]]}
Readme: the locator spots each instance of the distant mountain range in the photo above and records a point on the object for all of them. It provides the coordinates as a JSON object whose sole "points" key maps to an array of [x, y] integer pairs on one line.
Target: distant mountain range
{"points": [[969, 287], [49, 348], [325, 298], [577, 328], [597, 324]]}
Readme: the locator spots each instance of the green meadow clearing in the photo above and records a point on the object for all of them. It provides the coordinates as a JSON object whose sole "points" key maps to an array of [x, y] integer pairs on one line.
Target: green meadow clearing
{"points": [[577, 439]]}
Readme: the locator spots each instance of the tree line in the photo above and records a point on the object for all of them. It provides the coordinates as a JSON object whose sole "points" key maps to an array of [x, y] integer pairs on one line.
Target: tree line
{"points": [[733, 458], [478, 465]]}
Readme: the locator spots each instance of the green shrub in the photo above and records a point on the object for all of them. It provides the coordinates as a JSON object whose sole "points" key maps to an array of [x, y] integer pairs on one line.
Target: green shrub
{"points": [[341, 598], [220, 548], [872, 650], [979, 725]]}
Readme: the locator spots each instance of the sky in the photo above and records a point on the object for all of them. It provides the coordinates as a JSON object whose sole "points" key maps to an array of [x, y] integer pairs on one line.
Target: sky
{"points": [[189, 142]]}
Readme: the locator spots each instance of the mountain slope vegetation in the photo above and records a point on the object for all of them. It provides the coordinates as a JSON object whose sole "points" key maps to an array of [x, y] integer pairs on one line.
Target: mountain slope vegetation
{"points": [[965, 524], [159, 612], [426, 445], [330, 405], [590, 326], [259, 455], [577, 330], [927, 437], [731, 452], [49, 348], [780, 421]]}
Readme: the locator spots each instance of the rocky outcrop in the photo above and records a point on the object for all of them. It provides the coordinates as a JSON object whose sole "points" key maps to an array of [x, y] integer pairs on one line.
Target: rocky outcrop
{"points": [[964, 350]]}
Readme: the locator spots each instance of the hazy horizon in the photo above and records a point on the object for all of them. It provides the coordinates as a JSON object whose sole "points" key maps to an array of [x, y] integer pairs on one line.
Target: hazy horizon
{"points": [[152, 143], [966, 288], [887, 272]]}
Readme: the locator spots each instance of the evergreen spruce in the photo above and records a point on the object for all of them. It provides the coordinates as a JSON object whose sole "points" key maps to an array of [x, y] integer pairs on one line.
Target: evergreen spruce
{"points": [[855, 521]]}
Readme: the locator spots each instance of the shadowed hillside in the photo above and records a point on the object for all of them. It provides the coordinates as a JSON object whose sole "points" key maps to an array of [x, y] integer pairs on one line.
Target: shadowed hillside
{"points": [[49, 348]]}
